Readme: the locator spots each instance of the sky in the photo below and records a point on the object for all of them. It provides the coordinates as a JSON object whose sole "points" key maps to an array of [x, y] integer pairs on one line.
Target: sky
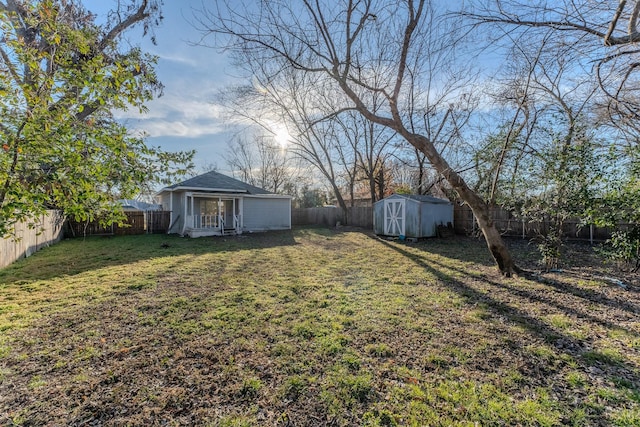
{"points": [[185, 117]]}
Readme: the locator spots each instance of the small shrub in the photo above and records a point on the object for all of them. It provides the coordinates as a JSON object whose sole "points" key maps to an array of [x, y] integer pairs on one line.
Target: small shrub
{"points": [[550, 250], [624, 248]]}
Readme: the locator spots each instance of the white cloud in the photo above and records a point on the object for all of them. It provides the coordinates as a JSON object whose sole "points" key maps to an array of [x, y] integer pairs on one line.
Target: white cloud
{"points": [[178, 128], [179, 59], [176, 116]]}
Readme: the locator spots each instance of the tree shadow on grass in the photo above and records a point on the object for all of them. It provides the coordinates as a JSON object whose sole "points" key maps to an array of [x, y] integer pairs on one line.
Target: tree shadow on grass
{"points": [[587, 299], [75, 256], [462, 248], [500, 298], [473, 250]]}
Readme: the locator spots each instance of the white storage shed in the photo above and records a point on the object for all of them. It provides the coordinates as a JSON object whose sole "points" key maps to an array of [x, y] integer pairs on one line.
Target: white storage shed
{"points": [[412, 216]]}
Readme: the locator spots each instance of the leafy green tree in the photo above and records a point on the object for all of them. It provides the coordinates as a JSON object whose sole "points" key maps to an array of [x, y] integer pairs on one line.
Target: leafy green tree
{"points": [[61, 75], [620, 204], [311, 197], [569, 174]]}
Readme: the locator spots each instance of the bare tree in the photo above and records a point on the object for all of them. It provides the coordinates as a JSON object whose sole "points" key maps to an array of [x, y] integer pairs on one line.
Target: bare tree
{"points": [[317, 133], [344, 44], [261, 162], [544, 159], [369, 146], [604, 32]]}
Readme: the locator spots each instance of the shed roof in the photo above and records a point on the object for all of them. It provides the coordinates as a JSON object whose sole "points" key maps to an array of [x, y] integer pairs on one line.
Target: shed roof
{"points": [[214, 181], [419, 198]]}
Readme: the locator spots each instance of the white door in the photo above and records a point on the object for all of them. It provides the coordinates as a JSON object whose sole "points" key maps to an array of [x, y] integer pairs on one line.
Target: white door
{"points": [[394, 217]]}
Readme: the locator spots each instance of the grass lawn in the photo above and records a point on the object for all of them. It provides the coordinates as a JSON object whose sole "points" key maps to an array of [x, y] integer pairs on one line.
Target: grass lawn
{"points": [[312, 327]]}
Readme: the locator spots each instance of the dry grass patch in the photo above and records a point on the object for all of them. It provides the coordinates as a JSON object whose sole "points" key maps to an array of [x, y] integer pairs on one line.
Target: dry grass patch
{"points": [[310, 327]]}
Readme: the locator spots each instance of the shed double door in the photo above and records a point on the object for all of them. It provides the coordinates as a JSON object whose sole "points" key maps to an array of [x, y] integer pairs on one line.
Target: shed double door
{"points": [[394, 217]]}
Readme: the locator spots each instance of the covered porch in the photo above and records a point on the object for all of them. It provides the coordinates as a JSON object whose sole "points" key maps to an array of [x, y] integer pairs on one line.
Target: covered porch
{"points": [[212, 215]]}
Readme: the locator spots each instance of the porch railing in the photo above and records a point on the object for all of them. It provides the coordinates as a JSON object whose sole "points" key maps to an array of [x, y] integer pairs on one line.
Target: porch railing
{"points": [[207, 221], [215, 221]]}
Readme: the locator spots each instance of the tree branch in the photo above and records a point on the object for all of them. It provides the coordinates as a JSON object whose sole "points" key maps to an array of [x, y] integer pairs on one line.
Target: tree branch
{"points": [[614, 22], [140, 15]]}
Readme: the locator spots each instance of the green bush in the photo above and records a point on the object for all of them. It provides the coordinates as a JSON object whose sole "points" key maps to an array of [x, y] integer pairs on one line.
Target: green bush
{"points": [[624, 247]]}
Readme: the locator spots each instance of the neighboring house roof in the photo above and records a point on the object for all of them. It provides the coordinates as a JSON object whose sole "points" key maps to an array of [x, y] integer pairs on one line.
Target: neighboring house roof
{"points": [[139, 205], [214, 181], [420, 198]]}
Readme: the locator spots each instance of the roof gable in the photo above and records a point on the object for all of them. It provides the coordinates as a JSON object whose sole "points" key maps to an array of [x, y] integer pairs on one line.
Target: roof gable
{"points": [[220, 183]]}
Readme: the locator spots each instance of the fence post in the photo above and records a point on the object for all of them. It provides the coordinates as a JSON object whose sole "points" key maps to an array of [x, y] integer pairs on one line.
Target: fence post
{"points": [[591, 234]]}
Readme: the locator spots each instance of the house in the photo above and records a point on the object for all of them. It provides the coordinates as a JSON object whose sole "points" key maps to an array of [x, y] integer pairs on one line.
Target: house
{"points": [[130, 205], [213, 204], [412, 216]]}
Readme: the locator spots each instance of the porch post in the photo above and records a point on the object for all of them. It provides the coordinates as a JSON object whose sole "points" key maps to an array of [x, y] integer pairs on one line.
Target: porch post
{"points": [[184, 213], [170, 210], [233, 214], [193, 214], [241, 213]]}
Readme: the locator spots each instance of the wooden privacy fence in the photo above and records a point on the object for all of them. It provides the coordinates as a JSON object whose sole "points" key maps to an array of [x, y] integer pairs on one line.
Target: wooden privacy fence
{"points": [[360, 216], [30, 238], [504, 220], [150, 222], [315, 216], [463, 222], [330, 216], [157, 222]]}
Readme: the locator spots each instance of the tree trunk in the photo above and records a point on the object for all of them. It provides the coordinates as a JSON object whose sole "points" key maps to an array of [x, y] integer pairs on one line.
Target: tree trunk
{"points": [[372, 188], [381, 183], [478, 206], [343, 205], [492, 236]]}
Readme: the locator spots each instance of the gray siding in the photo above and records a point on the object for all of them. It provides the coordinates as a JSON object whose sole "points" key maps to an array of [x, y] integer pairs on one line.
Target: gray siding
{"points": [[164, 201], [434, 215], [261, 214], [177, 216]]}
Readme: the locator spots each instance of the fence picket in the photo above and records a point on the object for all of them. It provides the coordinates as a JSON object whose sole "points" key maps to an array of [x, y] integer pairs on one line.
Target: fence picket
{"points": [[30, 238]]}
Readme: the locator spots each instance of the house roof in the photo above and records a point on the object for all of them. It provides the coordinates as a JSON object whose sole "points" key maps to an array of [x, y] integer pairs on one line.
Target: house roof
{"points": [[420, 198], [139, 205], [214, 181]]}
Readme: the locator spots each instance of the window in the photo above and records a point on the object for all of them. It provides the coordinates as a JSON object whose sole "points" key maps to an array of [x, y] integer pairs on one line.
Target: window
{"points": [[208, 207]]}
